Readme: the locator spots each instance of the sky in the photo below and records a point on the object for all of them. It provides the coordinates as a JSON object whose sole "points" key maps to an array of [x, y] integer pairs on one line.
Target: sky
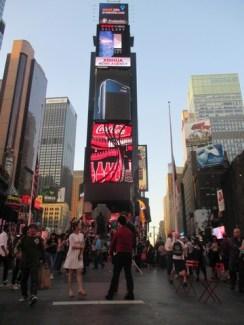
{"points": [[174, 39]]}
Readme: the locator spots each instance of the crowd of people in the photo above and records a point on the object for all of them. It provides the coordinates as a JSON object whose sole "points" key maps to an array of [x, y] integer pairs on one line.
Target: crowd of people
{"points": [[36, 256]]}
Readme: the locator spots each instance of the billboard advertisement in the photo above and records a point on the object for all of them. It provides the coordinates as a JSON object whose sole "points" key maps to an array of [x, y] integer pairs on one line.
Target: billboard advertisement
{"points": [[113, 13], [143, 168], [221, 201], [198, 133], [113, 41], [209, 156], [111, 153], [112, 96], [53, 195]]}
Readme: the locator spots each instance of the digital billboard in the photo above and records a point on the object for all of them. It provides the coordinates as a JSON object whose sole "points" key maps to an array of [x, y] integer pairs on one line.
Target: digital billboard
{"points": [[198, 133], [113, 46], [113, 13], [111, 153], [211, 155], [143, 168], [112, 96]]}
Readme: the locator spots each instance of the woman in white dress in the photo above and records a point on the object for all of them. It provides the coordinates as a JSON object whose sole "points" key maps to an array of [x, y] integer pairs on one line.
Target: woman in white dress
{"points": [[74, 259]]}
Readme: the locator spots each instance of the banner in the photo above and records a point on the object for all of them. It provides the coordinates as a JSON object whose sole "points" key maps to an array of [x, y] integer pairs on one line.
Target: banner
{"points": [[113, 13], [111, 153], [143, 168], [198, 133], [209, 156], [221, 201]]}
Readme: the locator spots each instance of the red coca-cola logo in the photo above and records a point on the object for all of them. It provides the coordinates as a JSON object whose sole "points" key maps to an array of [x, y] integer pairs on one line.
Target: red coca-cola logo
{"points": [[112, 129]]}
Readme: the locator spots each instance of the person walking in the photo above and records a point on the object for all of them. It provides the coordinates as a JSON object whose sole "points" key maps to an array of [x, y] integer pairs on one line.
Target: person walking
{"points": [[4, 254], [121, 250], [168, 248], [235, 260], [74, 259], [98, 259], [32, 253], [51, 249]]}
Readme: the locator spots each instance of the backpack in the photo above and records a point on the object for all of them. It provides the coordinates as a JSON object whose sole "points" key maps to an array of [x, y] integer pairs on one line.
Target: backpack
{"points": [[177, 249]]}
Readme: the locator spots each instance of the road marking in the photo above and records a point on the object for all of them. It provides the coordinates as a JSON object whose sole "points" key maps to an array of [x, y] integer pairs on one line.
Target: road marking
{"points": [[98, 302]]}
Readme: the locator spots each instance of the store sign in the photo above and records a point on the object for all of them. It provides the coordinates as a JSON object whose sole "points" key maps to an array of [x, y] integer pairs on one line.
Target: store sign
{"points": [[112, 62], [111, 153], [113, 13]]}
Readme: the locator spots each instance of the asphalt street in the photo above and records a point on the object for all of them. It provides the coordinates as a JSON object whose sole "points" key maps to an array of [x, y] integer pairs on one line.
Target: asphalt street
{"points": [[157, 302]]}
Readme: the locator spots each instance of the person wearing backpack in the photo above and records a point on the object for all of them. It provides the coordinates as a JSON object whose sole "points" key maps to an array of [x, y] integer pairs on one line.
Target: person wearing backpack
{"points": [[178, 256]]}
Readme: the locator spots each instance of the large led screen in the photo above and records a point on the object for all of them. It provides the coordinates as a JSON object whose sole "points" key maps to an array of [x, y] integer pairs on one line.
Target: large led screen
{"points": [[198, 133], [143, 170], [113, 41], [112, 96], [111, 153], [113, 13]]}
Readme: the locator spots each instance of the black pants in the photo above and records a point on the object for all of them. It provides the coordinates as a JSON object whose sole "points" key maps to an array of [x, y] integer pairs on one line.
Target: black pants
{"points": [[5, 261], [16, 275], [32, 272], [169, 262], [122, 261]]}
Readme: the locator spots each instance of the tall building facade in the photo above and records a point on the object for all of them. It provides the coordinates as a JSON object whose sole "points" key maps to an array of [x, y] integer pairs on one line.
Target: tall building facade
{"points": [[22, 101], [57, 148], [2, 23], [218, 97]]}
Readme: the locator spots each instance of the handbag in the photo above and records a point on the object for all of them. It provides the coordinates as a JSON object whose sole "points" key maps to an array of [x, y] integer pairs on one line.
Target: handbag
{"points": [[44, 277]]}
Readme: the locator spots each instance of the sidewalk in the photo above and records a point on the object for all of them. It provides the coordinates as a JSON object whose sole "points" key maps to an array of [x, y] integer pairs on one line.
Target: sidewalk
{"points": [[161, 304]]}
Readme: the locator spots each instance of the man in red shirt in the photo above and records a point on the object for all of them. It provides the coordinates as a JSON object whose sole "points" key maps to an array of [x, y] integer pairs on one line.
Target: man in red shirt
{"points": [[121, 250]]}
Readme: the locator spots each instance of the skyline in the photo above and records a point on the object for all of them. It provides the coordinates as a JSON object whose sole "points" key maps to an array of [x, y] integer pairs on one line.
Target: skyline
{"points": [[171, 66]]}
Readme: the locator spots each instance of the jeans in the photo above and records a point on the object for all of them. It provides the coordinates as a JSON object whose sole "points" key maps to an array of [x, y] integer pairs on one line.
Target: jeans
{"points": [[122, 261], [32, 272], [5, 261], [51, 261], [16, 276], [169, 262]]}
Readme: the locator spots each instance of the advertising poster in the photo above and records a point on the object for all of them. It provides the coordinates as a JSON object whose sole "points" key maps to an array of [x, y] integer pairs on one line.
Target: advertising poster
{"points": [[143, 171], [113, 13], [198, 133], [113, 46], [209, 156], [112, 96], [111, 153], [221, 201]]}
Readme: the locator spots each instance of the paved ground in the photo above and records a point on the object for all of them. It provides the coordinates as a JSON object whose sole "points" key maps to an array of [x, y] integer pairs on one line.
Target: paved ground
{"points": [[158, 304]]}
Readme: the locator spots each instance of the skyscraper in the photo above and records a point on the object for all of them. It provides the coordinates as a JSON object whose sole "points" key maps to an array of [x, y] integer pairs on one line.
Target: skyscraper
{"points": [[2, 24], [58, 146], [22, 100], [218, 97]]}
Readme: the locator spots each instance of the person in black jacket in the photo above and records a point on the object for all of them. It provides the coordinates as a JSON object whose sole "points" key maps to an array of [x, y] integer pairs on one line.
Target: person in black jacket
{"points": [[236, 260], [31, 249]]}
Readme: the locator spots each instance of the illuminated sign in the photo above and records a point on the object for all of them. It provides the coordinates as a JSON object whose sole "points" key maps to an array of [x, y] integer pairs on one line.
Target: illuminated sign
{"points": [[111, 153], [143, 170], [113, 13], [112, 96], [113, 62]]}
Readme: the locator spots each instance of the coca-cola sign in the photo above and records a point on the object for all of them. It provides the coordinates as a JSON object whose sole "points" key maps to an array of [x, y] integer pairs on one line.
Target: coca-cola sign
{"points": [[111, 153]]}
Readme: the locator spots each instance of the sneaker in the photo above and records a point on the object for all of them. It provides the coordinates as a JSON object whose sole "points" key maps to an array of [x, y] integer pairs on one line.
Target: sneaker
{"points": [[15, 287], [109, 297], [129, 297], [22, 299], [33, 300]]}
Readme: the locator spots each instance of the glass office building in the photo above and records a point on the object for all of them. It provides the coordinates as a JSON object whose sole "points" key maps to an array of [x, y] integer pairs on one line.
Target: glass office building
{"points": [[30, 142], [57, 146], [218, 97]]}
